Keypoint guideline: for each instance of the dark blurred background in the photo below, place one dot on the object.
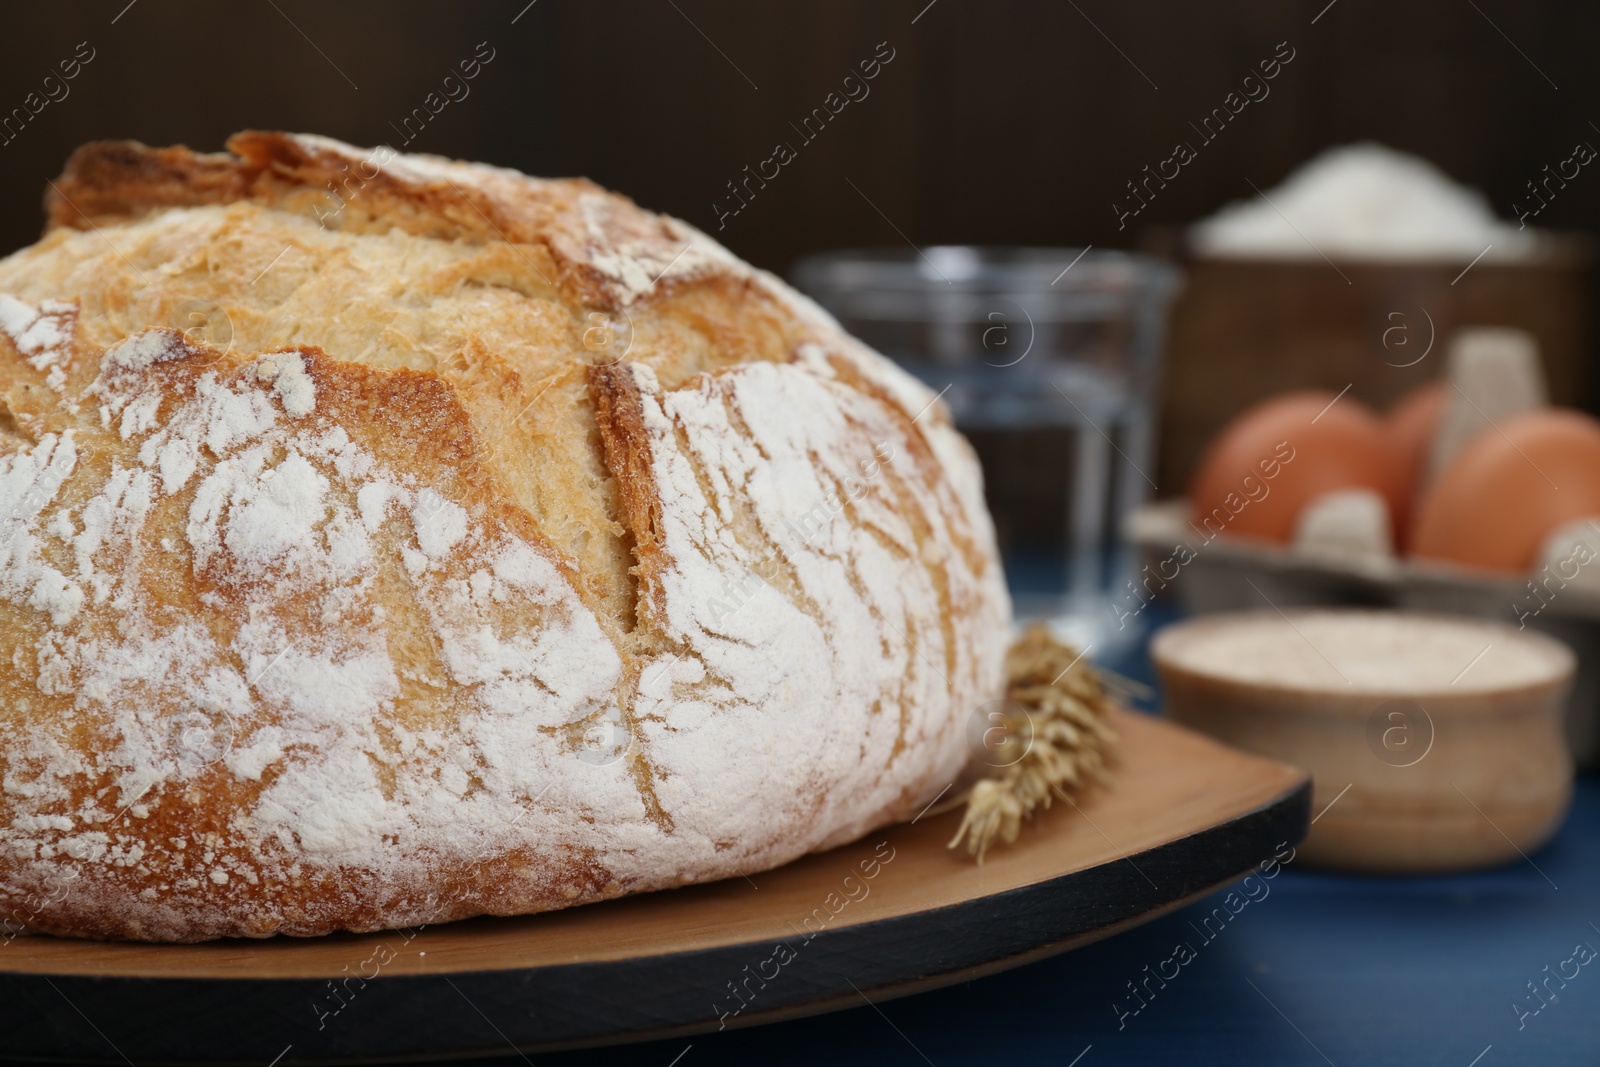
(998, 122)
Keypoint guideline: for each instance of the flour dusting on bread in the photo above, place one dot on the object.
(405, 601)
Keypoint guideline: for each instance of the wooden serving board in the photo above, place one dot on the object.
(892, 914)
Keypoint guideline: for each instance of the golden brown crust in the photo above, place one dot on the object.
(627, 454)
(122, 179)
(106, 181)
(396, 539)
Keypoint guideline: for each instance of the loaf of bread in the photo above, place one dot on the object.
(390, 540)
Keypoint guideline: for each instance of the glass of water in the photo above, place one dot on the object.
(1050, 361)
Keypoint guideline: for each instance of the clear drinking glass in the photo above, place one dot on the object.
(1050, 361)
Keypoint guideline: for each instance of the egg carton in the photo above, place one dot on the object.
(1231, 573)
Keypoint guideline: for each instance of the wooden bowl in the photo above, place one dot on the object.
(1435, 742)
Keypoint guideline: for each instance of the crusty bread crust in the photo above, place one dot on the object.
(394, 540)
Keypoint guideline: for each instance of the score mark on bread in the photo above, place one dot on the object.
(304, 631)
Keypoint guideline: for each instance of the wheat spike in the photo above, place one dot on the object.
(1066, 703)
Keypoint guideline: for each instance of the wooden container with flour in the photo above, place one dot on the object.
(1435, 741)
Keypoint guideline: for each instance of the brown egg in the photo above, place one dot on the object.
(1502, 495)
(1412, 424)
(1280, 455)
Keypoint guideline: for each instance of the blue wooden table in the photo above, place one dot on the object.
(1325, 969)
